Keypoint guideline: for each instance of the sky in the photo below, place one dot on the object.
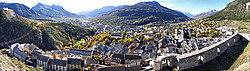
(192, 6)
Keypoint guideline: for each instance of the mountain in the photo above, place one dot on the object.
(46, 35)
(83, 12)
(236, 10)
(186, 13)
(20, 9)
(205, 14)
(141, 13)
(17, 29)
(54, 11)
(101, 11)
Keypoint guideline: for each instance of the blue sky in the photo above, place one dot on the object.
(192, 6)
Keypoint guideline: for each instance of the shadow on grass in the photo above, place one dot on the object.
(224, 61)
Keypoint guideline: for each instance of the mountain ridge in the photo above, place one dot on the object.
(101, 11)
(21, 10)
(54, 11)
(142, 13)
(205, 14)
(236, 10)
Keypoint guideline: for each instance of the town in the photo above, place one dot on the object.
(133, 48)
(125, 35)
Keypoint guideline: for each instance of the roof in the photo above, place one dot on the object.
(19, 52)
(59, 62)
(80, 53)
(80, 50)
(74, 61)
(32, 47)
(50, 62)
(35, 53)
(131, 57)
(14, 46)
(42, 58)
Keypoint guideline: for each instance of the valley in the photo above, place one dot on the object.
(142, 36)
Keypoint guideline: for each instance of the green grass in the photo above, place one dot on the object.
(229, 60)
(243, 57)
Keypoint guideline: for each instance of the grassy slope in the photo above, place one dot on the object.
(244, 26)
(229, 60)
(235, 10)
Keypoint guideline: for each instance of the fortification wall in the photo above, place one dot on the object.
(121, 68)
(188, 62)
(112, 68)
(133, 68)
(206, 54)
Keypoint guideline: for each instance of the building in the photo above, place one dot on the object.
(30, 48)
(75, 64)
(127, 59)
(18, 53)
(58, 65)
(34, 54)
(42, 60)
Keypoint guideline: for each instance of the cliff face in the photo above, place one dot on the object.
(16, 29)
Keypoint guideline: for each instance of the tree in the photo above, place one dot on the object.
(38, 68)
(140, 37)
(124, 34)
(197, 35)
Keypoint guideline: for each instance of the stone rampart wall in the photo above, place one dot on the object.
(121, 68)
(206, 54)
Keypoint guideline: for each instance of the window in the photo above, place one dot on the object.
(200, 59)
(218, 51)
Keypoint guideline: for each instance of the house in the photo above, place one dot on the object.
(30, 48)
(126, 58)
(59, 65)
(75, 64)
(82, 52)
(16, 52)
(20, 54)
(162, 43)
(34, 54)
(42, 60)
(12, 48)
